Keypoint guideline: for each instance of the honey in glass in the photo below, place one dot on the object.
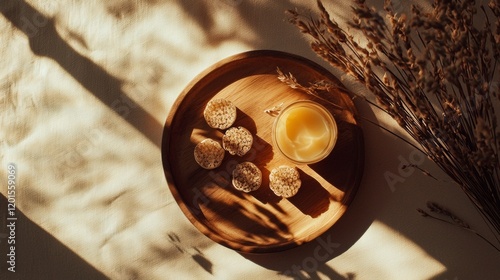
(305, 132)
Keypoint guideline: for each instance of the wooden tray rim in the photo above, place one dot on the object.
(207, 231)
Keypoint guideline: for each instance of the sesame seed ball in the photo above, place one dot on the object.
(220, 113)
(237, 141)
(284, 181)
(247, 177)
(209, 154)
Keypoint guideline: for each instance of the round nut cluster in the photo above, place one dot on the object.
(209, 154)
(284, 181)
(237, 141)
(220, 113)
(246, 177)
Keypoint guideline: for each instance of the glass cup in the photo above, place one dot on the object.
(304, 132)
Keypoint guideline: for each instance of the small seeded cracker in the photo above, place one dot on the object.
(209, 154)
(237, 141)
(247, 177)
(284, 181)
(220, 113)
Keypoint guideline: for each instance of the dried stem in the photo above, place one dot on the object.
(329, 88)
(452, 220)
(435, 73)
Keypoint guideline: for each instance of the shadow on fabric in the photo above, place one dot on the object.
(38, 255)
(44, 40)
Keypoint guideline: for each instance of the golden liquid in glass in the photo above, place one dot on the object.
(305, 132)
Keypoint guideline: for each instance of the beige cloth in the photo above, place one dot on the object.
(85, 88)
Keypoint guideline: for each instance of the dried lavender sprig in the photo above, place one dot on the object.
(312, 89)
(292, 82)
(455, 220)
(451, 73)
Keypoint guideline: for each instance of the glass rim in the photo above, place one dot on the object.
(325, 113)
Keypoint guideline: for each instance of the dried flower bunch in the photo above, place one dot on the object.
(436, 73)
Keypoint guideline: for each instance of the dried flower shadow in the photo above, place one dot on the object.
(441, 94)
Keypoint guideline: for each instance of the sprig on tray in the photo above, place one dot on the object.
(436, 74)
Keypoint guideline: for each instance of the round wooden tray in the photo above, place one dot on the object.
(259, 221)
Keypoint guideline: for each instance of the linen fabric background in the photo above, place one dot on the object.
(85, 88)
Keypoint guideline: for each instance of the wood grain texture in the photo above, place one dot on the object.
(259, 221)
